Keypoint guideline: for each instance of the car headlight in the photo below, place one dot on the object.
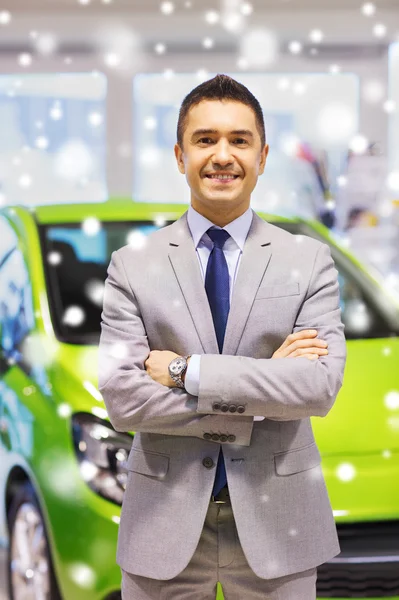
(102, 453)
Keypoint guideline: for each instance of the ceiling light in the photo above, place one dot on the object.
(379, 30)
(368, 9)
(295, 47)
(316, 36)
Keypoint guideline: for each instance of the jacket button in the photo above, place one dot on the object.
(231, 438)
(224, 407)
(223, 438)
(208, 462)
(240, 409)
(207, 436)
(232, 408)
(215, 437)
(216, 406)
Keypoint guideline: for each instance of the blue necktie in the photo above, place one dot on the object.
(217, 289)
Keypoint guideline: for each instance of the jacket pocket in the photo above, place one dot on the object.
(148, 463)
(299, 459)
(274, 291)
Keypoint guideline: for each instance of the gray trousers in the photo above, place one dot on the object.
(219, 557)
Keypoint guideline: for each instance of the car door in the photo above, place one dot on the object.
(16, 389)
(364, 418)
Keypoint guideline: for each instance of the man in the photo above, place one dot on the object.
(224, 476)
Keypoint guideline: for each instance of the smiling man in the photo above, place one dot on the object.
(224, 475)
(221, 189)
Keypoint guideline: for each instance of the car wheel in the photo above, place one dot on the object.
(30, 570)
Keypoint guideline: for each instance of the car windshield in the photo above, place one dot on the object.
(76, 258)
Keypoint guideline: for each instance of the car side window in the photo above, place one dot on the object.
(361, 318)
(364, 310)
(16, 307)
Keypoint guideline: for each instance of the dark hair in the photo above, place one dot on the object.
(220, 87)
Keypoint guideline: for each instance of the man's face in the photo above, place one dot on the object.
(221, 138)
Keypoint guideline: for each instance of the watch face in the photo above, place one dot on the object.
(177, 366)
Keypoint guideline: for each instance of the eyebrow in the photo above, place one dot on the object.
(235, 132)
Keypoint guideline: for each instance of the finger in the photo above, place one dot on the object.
(306, 343)
(311, 356)
(304, 351)
(303, 346)
(296, 340)
(293, 347)
(303, 334)
(281, 353)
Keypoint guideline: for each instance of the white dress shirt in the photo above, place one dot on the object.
(232, 249)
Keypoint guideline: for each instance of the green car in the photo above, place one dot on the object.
(63, 467)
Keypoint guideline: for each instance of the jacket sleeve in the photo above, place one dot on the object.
(134, 401)
(286, 388)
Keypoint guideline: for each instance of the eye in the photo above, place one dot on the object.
(240, 140)
(205, 139)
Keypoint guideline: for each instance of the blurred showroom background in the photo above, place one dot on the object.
(90, 91)
(89, 98)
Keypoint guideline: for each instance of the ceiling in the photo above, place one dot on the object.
(152, 6)
(77, 25)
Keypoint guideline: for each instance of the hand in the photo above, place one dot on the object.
(157, 364)
(303, 343)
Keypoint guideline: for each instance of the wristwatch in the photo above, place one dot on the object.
(177, 367)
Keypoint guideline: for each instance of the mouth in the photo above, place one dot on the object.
(222, 179)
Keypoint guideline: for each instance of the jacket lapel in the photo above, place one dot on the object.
(254, 261)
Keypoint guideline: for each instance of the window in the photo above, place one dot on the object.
(359, 316)
(310, 119)
(365, 310)
(52, 146)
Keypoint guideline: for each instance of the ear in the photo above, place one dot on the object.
(179, 158)
(263, 158)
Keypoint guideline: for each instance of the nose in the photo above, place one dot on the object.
(222, 153)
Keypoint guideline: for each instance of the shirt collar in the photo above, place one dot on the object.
(238, 229)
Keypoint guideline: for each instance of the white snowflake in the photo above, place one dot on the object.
(346, 471)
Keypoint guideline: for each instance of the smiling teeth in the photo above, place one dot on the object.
(221, 176)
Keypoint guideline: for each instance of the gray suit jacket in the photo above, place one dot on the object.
(155, 299)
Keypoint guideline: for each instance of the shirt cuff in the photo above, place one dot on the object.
(191, 379)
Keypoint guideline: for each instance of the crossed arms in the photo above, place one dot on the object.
(276, 388)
